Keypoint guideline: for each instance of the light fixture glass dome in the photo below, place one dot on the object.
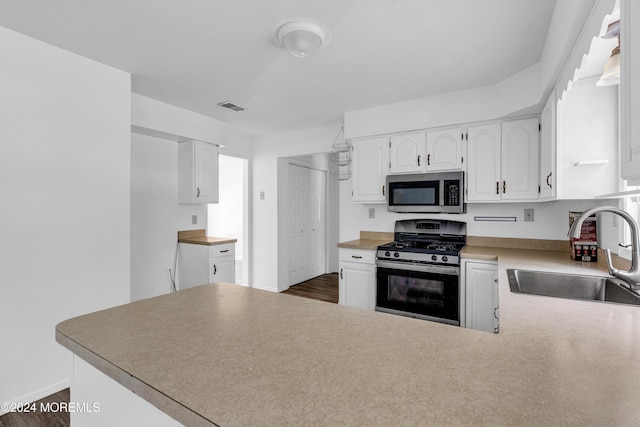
(301, 37)
(611, 74)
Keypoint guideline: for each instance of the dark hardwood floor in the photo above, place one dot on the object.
(35, 417)
(324, 288)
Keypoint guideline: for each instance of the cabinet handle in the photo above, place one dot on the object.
(418, 159)
(549, 176)
(383, 190)
(497, 187)
(197, 191)
(215, 269)
(428, 159)
(356, 256)
(224, 251)
(341, 274)
(504, 186)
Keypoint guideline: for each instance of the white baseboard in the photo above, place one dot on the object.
(263, 288)
(39, 394)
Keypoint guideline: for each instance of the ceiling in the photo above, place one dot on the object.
(197, 53)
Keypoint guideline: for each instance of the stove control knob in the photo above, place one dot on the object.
(434, 258)
(445, 258)
(387, 253)
(396, 254)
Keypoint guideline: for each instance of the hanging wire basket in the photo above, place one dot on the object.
(341, 158)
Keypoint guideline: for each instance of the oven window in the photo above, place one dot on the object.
(425, 293)
(415, 290)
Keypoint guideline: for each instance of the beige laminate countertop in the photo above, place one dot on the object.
(231, 355)
(199, 237)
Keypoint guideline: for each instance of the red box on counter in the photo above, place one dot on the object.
(584, 248)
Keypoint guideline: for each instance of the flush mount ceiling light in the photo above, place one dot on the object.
(302, 37)
(611, 74)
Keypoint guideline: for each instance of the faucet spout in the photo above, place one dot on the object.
(632, 277)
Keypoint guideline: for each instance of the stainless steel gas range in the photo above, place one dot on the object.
(418, 274)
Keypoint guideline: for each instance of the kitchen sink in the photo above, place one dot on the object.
(591, 288)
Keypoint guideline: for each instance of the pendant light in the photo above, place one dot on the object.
(301, 37)
(611, 74)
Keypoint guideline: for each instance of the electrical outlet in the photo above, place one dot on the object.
(262, 195)
(372, 213)
(528, 215)
(194, 219)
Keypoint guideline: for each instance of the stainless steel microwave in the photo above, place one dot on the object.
(431, 192)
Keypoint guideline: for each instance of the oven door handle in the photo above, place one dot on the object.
(424, 268)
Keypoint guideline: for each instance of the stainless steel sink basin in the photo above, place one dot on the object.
(592, 288)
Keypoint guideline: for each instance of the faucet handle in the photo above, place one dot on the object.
(612, 271)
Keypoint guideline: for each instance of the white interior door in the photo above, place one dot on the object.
(307, 217)
(317, 195)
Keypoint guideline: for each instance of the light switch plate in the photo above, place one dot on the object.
(372, 213)
(194, 219)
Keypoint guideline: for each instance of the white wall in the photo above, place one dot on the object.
(156, 216)
(64, 209)
(266, 155)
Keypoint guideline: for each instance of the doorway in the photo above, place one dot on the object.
(230, 216)
(308, 216)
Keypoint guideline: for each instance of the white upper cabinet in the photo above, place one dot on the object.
(444, 150)
(197, 172)
(548, 150)
(630, 88)
(407, 153)
(370, 166)
(520, 150)
(483, 166)
(503, 161)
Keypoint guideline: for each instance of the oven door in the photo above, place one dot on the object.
(427, 292)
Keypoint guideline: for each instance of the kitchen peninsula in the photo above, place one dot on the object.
(227, 355)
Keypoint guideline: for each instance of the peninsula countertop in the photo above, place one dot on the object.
(239, 356)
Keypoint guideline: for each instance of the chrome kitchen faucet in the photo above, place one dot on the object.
(632, 277)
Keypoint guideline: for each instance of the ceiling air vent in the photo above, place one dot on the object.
(231, 106)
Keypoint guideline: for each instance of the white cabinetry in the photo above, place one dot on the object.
(407, 153)
(197, 172)
(503, 161)
(520, 151)
(357, 282)
(483, 166)
(630, 88)
(201, 264)
(548, 149)
(444, 149)
(370, 165)
(481, 295)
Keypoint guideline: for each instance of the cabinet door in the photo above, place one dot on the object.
(481, 296)
(223, 270)
(548, 149)
(520, 151)
(444, 150)
(370, 167)
(206, 172)
(630, 88)
(357, 285)
(483, 166)
(197, 172)
(407, 153)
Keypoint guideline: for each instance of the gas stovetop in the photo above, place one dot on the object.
(425, 241)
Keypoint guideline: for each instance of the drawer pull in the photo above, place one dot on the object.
(356, 256)
(223, 251)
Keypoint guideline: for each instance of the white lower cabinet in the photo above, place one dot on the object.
(357, 284)
(481, 295)
(202, 264)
